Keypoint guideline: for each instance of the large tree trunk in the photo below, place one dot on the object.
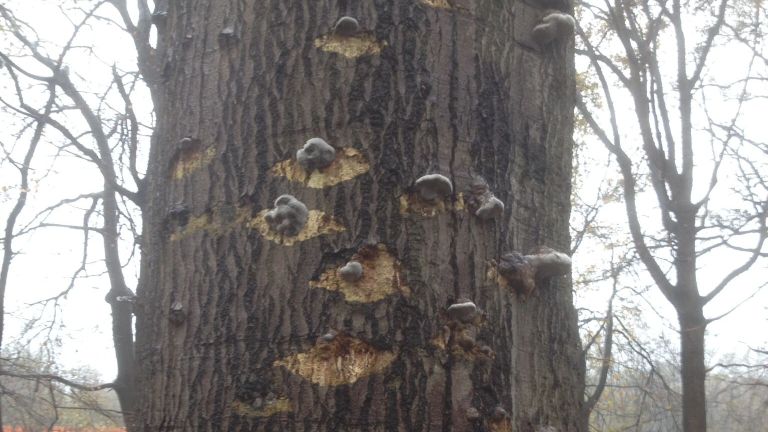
(231, 317)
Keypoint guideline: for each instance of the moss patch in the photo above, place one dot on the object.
(381, 277)
(349, 164)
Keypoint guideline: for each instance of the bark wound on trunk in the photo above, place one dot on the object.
(271, 337)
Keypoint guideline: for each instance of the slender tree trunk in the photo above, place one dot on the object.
(690, 313)
(693, 371)
(241, 330)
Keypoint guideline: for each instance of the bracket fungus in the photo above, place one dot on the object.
(177, 314)
(482, 201)
(523, 270)
(315, 155)
(553, 26)
(492, 208)
(549, 263)
(346, 26)
(351, 272)
(328, 337)
(434, 187)
(288, 217)
(463, 310)
(228, 32)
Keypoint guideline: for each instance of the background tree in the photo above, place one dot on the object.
(703, 162)
(83, 121)
(39, 395)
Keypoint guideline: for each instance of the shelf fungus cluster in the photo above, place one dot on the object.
(315, 155)
(459, 335)
(522, 271)
(288, 217)
(555, 25)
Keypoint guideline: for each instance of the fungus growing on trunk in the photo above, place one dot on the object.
(288, 217)
(315, 155)
(482, 201)
(434, 187)
(351, 272)
(463, 310)
(346, 26)
(556, 25)
(521, 271)
(176, 314)
(492, 208)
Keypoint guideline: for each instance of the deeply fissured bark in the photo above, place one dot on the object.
(455, 90)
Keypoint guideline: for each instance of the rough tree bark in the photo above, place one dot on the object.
(239, 329)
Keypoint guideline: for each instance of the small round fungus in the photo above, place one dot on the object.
(330, 336)
(177, 314)
(434, 187)
(346, 26)
(228, 31)
(351, 272)
(316, 154)
(288, 217)
(463, 310)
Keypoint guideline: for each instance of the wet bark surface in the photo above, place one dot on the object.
(231, 318)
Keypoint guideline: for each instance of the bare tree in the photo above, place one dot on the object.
(659, 59)
(92, 125)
